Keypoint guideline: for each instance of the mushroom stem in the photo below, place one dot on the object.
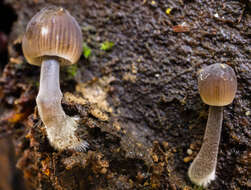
(60, 127)
(202, 169)
(49, 95)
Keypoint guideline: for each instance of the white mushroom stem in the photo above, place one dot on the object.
(50, 96)
(202, 169)
(60, 127)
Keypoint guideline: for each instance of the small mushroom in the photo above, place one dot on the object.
(52, 39)
(217, 86)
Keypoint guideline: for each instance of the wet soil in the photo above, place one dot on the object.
(138, 102)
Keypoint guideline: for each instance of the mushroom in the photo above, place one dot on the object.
(52, 39)
(217, 86)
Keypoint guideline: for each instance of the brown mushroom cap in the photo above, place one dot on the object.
(217, 84)
(52, 32)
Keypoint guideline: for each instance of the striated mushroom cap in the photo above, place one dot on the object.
(52, 32)
(217, 84)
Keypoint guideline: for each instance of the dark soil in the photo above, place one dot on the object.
(138, 102)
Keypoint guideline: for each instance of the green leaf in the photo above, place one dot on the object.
(106, 46)
(86, 51)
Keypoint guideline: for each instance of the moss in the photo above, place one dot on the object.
(86, 51)
(72, 70)
(106, 46)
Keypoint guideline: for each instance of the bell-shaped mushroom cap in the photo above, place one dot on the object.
(52, 32)
(217, 84)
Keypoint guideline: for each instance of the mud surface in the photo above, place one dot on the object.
(138, 102)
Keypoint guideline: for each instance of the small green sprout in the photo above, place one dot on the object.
(106, 46)
(86, 51)
(72, 70)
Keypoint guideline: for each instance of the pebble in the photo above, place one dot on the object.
(189, 151)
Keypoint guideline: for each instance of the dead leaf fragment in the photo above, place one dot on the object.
(181, 28)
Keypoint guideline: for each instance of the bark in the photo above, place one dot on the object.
(138, 101)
